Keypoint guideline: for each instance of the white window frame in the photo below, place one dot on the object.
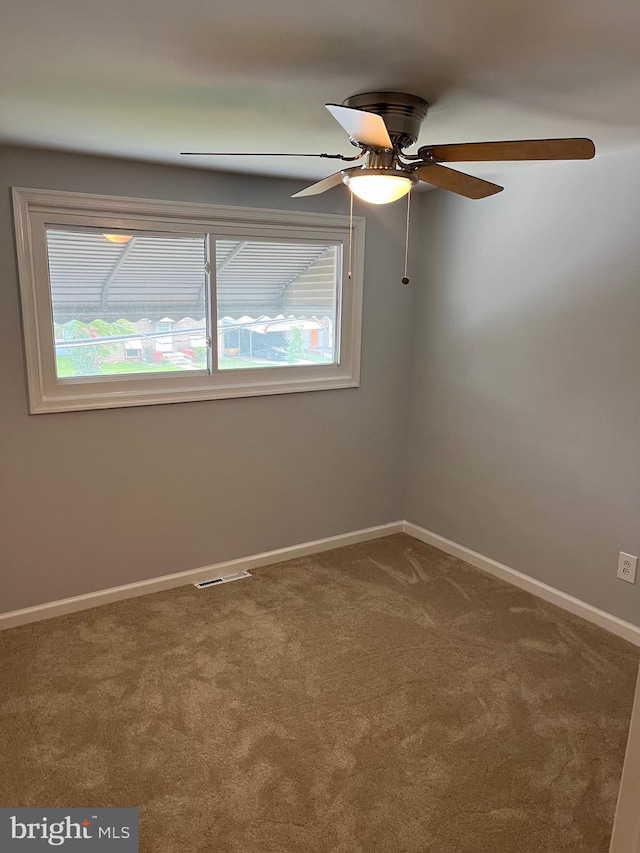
(34, 210)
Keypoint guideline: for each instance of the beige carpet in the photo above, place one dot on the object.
(380, 697)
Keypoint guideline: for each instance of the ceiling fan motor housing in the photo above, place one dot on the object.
(402, 114)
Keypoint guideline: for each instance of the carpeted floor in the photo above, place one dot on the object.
(379, 697)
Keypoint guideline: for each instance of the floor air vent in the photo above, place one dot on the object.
(224, 579)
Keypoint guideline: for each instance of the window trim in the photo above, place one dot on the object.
(34, 208)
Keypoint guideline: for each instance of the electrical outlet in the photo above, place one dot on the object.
(627, 565)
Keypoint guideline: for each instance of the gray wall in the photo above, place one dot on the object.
(91, 500)
(525, 423)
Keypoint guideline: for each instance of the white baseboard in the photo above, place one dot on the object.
(131, 590)
(95, 599)
(567, 602)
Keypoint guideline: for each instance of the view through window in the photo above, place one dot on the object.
(276, 303)
(139, 303)
(110, 300)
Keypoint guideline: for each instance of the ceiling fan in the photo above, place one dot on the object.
(383, 124)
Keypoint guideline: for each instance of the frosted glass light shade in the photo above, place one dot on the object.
(382, 188)
(118, 238)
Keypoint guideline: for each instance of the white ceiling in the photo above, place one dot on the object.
(149, 78)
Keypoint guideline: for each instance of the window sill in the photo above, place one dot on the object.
(99, 398)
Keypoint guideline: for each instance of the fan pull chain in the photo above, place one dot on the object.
(405, 279)
(350, 235)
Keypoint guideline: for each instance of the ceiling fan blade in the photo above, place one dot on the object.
(363, 127)
(457, 182)
(321, 186)
(523, 149)
(262, 154)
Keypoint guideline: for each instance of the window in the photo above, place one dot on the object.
(135, 302)
(132, 349)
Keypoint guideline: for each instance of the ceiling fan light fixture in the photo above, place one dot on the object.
(118, 238)
(379, 186)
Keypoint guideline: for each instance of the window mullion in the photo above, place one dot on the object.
(212, 306)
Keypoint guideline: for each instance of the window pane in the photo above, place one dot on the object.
(276, 303)
(126, 303)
